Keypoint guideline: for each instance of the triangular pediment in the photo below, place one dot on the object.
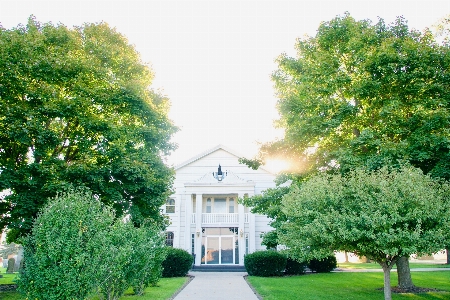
(231, 153)
(228, 178)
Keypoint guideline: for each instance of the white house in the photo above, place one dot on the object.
(206, 218)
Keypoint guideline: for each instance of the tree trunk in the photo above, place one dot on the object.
(346, 256)
(387, 282)
(448, 255)
(404, 273)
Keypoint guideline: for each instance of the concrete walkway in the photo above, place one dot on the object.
(217, 285)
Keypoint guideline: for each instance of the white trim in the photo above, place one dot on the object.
(212, 150)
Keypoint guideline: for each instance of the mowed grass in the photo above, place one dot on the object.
(412, 265)
(352, 286)
(165, 289)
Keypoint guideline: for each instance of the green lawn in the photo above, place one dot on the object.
(412, 265)
(165, 289)
(354, 286)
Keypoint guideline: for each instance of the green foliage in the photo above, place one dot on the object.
(177, 263)
(323, 265)
(294, 267)
(61, 255)
(76, 110)
(251, 163)
(268, 203)
(78, 247)
(383, 215)
(270, 240)
(363, 94)
(265, 263)
(148, 254)
(380, 214)
(115, 251)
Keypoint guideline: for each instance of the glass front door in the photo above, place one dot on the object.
(219, 246)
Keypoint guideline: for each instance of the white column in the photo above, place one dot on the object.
(241, 239)
(187, 221)
(198, 228)
(251, 229)
(252, 233)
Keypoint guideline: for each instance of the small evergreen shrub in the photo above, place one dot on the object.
(323, 265)
(294, 267)
(265, 263)
(177, 263)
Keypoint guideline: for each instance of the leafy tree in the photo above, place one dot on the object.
(382, 215)
(76, 110)
(362, 94)
(366, 95)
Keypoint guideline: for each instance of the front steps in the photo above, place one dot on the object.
(218, 268)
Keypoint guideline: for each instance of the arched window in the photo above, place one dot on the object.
(169, 238)
(170, 206)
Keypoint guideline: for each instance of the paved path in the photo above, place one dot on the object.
(217, 285)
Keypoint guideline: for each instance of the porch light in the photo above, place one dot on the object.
(241, 233)
(198, 232)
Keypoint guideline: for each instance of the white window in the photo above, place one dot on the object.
(231, 206)
(169, 238)
(170, 206)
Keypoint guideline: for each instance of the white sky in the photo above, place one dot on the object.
(213, 58)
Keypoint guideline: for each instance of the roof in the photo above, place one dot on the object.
(208, 152)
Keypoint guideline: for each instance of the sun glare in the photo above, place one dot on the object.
(276, 165)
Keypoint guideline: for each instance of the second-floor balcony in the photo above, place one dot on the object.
(219, 218)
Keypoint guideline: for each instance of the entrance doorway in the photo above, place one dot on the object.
(220, 246)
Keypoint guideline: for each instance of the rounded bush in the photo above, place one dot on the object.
(323, 265)
(265, 263)
(178, 262)
(294, 267)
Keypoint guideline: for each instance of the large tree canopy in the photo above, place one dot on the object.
(383, 215)
(76, 109)
(366, 94)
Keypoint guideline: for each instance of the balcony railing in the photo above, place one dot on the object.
(220, 218)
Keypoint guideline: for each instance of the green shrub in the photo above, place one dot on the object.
(78, 247)
(59, 255)
(265, 263)
(177, 263)
(323, 265)
(294, 267)
(149, 253)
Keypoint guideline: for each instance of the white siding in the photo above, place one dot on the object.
(195, 177)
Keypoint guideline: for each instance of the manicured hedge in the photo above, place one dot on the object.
(324, 265)
(177, 263)
(265, 263)
(294, 267)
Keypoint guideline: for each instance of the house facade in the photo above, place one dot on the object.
(205, 216)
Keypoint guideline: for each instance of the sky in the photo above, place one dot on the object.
(214, 59)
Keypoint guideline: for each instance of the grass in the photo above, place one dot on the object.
(354, 286)
(165, 289)
(412, 265)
